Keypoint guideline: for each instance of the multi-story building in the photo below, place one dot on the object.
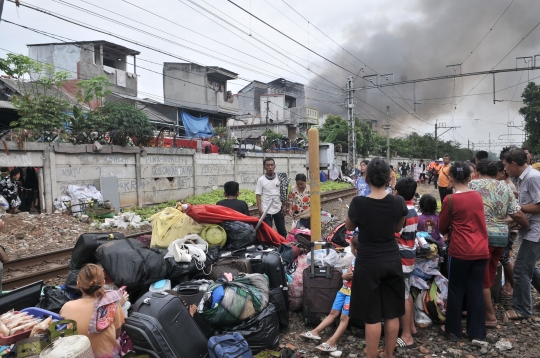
(200, 91)
(88, 59)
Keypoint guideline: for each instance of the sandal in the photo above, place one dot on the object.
(401, 344)
(492, 324)
(450, 336)
(309, 335)
(514, 316)
(325, 347)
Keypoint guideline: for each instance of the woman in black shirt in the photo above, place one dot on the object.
(378, 283)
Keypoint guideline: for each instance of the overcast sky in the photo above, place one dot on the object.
(411, 39)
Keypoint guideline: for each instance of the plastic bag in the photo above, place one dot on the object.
(239, 235)
(53, 299)
(345, 261)
(421, 319)
(261, 331)
(322, 259)
(4, 205)
(171, 224)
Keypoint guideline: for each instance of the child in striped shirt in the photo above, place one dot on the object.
(406, 188)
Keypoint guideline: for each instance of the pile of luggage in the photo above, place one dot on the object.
(201, 285)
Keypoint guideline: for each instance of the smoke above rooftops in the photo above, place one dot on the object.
(433, 35)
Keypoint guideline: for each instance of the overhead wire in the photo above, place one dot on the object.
(491, 28)
(128, 40)
(245, 33)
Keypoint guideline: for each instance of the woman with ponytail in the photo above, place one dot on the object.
(98, 313)
(462, 218)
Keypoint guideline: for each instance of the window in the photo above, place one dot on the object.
(108, 62)
(97, 55)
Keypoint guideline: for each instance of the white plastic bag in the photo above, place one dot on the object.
(421, 319)
(294, 224)
(345, 261)
(4, 205)
(322, 259)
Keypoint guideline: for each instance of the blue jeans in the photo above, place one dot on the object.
(466, 276)
(525, 273)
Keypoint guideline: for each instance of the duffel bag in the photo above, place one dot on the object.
(229, 345)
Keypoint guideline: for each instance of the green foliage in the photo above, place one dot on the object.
(336, 130)
(270, 137)
(43, 108)
(225, 146)
(94, 89)
(334, 185)
(531, 112)
(216, 195)
(148, 211)
(121, 122)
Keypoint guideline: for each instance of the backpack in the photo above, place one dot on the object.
(229, 345)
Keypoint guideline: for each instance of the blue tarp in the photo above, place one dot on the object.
(196, 127)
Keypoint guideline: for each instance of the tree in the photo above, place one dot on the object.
(531, 112)
(225, 146)
(42, 106)
(336, 130)
(123, 123)
(93, 90)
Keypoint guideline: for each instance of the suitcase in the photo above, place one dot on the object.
(192, 292)
(269, 262)
(321, 285)
(86, 245)
(162, 327)
(231, 264)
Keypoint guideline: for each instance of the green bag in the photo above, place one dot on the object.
(55, 333)
(30, 347)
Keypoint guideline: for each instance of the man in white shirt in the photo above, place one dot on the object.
(267, 192)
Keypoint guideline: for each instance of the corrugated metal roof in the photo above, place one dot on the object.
(7, 105)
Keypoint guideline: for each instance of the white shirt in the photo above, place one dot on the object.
(268, 190)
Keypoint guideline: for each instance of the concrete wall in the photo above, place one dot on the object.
(186, 84)
(149, 176)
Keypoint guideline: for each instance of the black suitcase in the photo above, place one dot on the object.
(269, 262)
(86, 245)
(192, 292)
(321, 285)
(162, 327)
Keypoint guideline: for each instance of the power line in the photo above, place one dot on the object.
(247, 34)
(128, 40)
(462, 62)
(290, 38)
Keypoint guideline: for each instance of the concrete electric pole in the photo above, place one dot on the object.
(351, 155)
(386, 127)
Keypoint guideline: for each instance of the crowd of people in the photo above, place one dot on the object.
(486, 205)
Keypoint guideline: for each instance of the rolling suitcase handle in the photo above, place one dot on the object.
(312, 268)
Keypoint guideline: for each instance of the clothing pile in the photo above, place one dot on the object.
(429, 286)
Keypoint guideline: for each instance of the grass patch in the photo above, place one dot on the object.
(216, 195)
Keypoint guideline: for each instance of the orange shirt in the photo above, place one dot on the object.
(437, 167)
(444, 176)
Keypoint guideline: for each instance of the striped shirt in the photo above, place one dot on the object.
(407, 240)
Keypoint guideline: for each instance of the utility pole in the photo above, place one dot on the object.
(387, 128)
(1, 9)
(267, 110)
(437, 126)
(351, 155)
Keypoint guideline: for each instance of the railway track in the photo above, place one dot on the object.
(50, 265)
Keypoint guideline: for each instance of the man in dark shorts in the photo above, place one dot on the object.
(232, 190)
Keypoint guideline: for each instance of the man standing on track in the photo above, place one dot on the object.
(445, 187)
(267, 192)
